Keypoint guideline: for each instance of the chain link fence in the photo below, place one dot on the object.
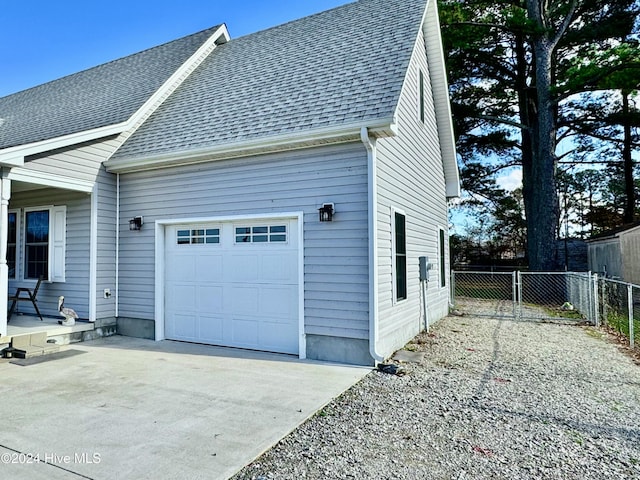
(526, 295)
(484, 293)
(619, 307)
(566, 296)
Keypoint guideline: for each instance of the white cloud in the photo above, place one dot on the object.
(511, 180)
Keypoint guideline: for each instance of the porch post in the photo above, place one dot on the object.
(5, 194)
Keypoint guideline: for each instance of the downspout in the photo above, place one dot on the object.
(93, 256)
(372, 172)
(117, 287)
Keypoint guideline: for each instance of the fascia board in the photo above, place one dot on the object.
(297, 140)
(9, 154)
(430, 26)
(438, 73)
(50, 180)
(221, 35)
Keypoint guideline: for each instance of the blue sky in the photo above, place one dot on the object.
(44, 40)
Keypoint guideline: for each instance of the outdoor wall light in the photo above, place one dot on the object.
(326, 212)
(136, 223)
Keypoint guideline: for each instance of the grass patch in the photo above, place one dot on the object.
(592, 332)
(576, 438)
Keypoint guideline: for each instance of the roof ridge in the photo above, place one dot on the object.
(295, 20)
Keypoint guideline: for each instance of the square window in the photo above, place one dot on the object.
(198, 236)
(261, 234)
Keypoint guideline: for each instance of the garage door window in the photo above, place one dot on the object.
(262, 234)
(198, 236)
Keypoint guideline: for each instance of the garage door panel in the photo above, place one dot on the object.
(245, 300)
(283, 267)
(243, 268)
(210, 298)
(279, 301)
(211, 328)
(278, 337)
(185, 326)
(209, 268)
(244, 332)
(183, 297)
(181, 268)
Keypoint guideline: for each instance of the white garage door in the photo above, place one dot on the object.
(233, 284)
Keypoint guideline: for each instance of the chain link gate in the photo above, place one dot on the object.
(570, 296)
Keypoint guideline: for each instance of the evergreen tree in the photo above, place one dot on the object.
(510, 64)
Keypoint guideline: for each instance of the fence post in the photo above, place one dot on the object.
(605, 313)
(453, 288)
(514, 293)
(630, 305)
(596, 310)
(519, 289)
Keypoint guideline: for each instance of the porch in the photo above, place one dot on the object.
(63, 335)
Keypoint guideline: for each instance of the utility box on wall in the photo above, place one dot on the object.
(424, 268)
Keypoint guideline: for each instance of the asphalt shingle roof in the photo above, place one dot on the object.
(104, 95)
(337, 67)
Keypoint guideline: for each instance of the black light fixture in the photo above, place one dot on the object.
(136, 223)
(326, 212)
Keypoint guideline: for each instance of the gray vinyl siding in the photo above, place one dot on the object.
(106, 252)
(630, 252)
(76, 287)
(81, 162)
(335, 254)
(411, 180)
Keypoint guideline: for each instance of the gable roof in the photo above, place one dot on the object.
(326, 78)
(340, 67)
(100, 96)
(615, 232)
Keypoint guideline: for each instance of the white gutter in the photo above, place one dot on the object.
(288, 141)
(15, 155)
(372, 172)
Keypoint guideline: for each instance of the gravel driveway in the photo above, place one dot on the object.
(490, 399)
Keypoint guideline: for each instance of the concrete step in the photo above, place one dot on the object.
(56, 334)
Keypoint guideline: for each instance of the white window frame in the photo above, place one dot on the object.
(395, 299)
(18, 243)
(191, 228)
(268, 234)
(57, 243)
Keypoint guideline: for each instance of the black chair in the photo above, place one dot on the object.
(31, 297)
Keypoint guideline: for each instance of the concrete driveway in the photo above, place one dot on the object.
(127, 408)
